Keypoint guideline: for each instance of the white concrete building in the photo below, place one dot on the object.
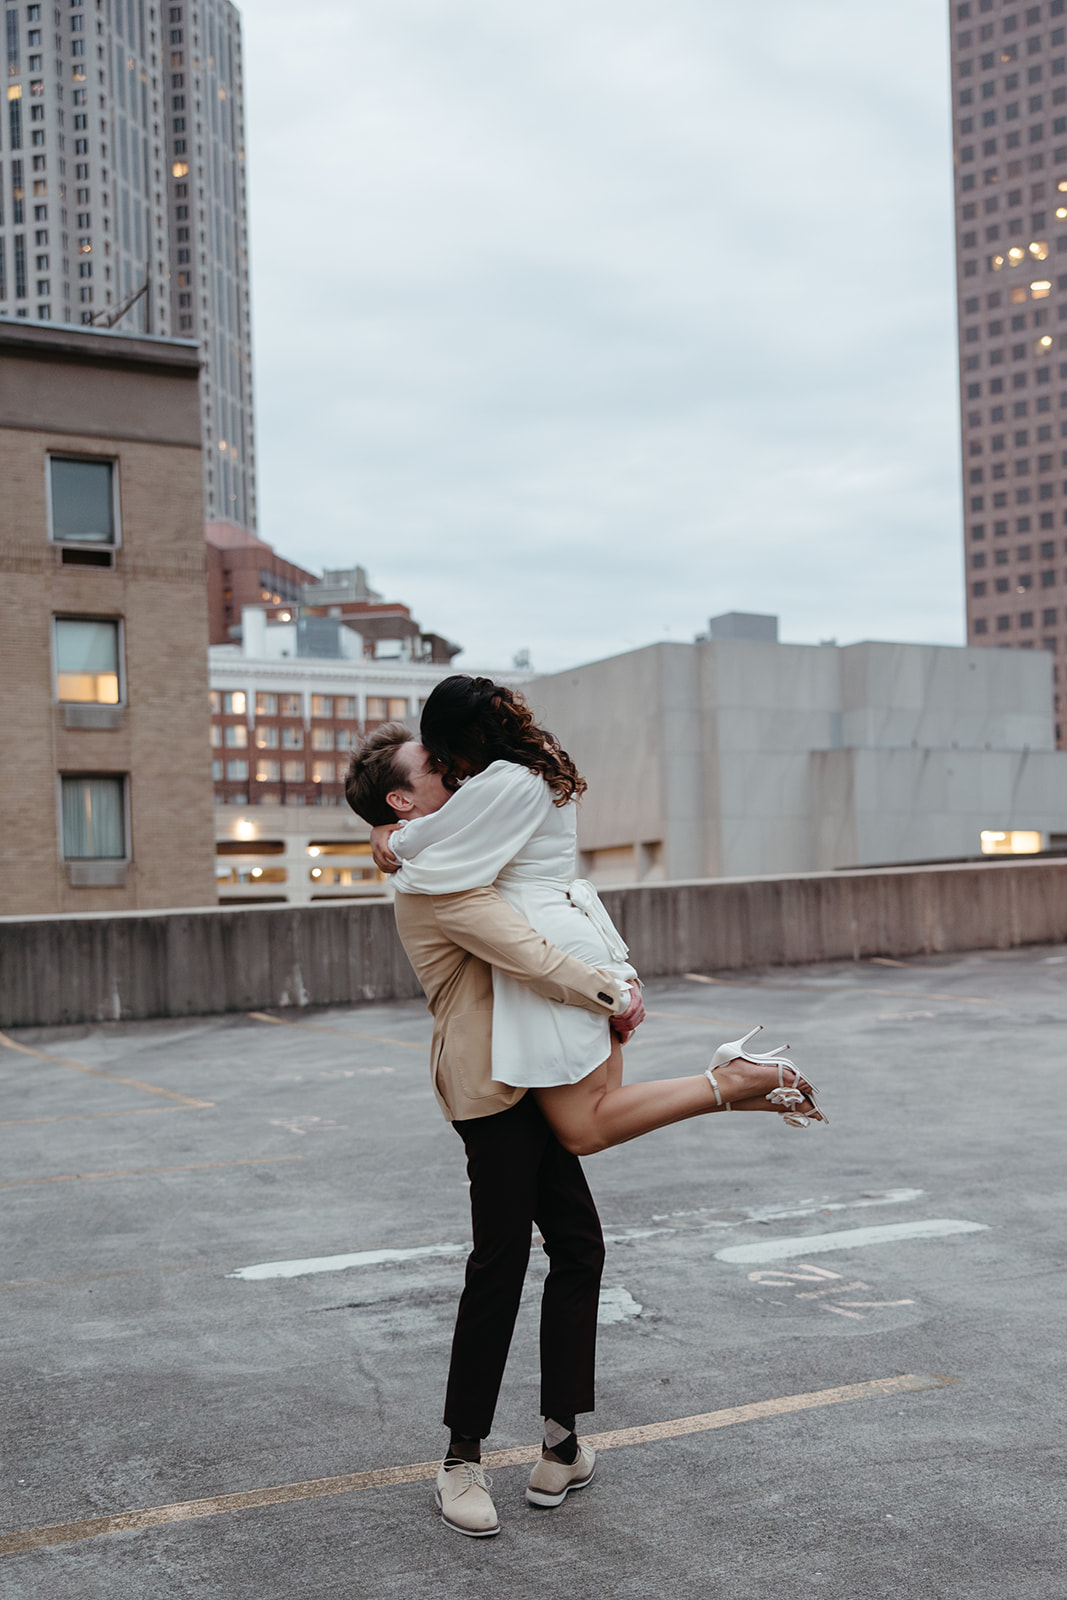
(732, 757)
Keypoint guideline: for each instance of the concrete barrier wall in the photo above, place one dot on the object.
(87, 968)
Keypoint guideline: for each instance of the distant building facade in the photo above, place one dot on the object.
(1009, 90)
(122, 169)
(734, 757)
(289, 702)
(103, 670)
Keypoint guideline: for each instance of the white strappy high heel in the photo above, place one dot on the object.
(787, 1095)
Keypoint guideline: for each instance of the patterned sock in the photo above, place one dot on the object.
(561, 1439)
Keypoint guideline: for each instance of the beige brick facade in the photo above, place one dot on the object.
(132, 401)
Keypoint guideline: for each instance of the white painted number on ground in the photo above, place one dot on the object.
(831, 1291)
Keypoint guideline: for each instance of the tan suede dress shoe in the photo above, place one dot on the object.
(463, 1499)
(551, 1481)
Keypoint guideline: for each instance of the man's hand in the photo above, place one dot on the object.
(384, 858)
(625, 1025)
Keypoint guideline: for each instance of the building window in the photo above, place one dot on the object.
(235, 702)
(82, 501)
(266, 705)
(1003, 624)
(237, 736)
(396, 709)
(322, 738)
(94, 821)
(290, 705)
(267, 771)
(87, 661)
(216, 771)
(322, 772)
(216, 735)
(237, 771)
(293, 771)
(266, 738)
(292, 738)
(346, 706)
(981, 626)
(347, 738)
(322, 706)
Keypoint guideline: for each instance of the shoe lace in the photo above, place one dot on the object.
(470, 1474)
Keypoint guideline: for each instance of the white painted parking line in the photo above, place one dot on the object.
(847, 1239)
(358, 1258)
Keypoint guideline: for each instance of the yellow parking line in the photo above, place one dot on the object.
(842, 988)
(422, 1471)
(141, 1172)
(344, 1033)
(97, 1116)
(97, 1072)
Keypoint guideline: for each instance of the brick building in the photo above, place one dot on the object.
(245, 571)
(1009, 86)
(105, 798)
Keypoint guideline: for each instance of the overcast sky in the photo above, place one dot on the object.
(578, 323)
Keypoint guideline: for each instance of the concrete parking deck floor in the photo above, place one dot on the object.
(149, 1166)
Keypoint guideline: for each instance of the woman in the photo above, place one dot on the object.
(512, 822)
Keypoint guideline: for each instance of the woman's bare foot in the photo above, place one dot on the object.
(745, 1085)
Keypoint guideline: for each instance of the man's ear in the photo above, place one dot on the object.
(401, 802)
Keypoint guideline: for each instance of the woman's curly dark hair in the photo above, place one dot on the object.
(467, 723)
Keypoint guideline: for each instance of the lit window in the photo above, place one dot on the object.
(1038, 249)
(215, 701)
(322, 706)
(290, 705)
(94, 822)
(82, 501)
(237, 736)
(87, 661)
(267, 771)
(235, 703)
(266, 738)
(1043, 345)
(1017, 842)
(1042, 288)
(266, 705)
(322, 772)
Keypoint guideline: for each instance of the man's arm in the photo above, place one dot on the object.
(481, 922)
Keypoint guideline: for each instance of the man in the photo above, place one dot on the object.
(520, 1174)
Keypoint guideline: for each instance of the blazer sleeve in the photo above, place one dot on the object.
(481, 922)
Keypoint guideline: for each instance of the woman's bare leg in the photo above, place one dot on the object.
(602, 1111)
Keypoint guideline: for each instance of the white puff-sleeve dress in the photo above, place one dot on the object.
(502, 828)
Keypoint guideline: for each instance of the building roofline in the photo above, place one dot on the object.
(83, 346)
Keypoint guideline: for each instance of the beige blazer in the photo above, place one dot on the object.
(452, 941)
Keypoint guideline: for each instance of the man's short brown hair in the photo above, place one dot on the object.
(374, 771)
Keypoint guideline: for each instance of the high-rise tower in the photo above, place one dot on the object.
(122, 180)
(1009, 88)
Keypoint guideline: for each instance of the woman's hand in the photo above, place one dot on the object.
(384, 858)
(626, 1024)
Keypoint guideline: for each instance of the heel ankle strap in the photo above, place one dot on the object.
(719, 1101)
